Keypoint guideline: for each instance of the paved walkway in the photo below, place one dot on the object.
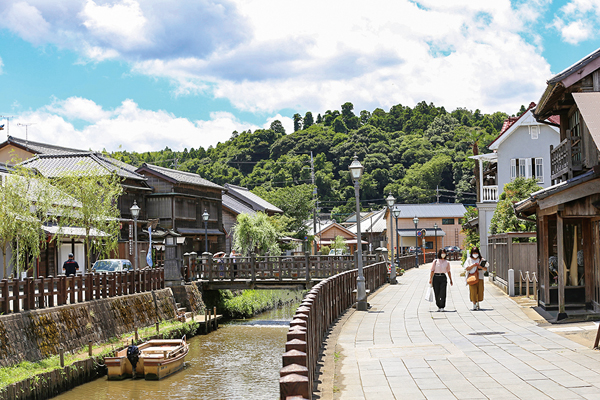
(402, 348)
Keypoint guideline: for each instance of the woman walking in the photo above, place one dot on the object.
(437, 279)
(474, 265)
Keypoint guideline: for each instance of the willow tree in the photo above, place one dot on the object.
(27, 201)
(97, 214)
(255, 234)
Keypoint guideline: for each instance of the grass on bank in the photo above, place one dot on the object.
(27, 369)
(249, 303)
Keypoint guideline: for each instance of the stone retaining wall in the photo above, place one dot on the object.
(34, 335)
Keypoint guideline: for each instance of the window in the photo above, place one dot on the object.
(522, 167)
(447, 221)
(513, 169)
(539, 170)
(534, 131)
(429, 245)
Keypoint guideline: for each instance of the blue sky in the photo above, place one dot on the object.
(145, 74)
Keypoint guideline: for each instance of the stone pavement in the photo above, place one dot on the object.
(402, 348)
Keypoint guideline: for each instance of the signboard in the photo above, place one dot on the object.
(130, 239)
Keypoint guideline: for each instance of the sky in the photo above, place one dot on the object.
(142, 75)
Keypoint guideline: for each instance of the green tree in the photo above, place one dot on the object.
(339, 126)
(255, 234)
(297, 122)
(296, 202)
(308, 120)
(339, 243)
(27, 201)
(471, 233)
(98, 214)
(504, 218)
(277, 127)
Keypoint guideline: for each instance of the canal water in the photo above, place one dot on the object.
(241, 360)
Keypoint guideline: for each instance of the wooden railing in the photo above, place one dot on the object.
(31, 294)
(489, 193)
(321, 306)
(566, 158)
(505, 253)
(256, 268)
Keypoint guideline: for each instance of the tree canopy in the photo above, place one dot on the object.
(504, 218)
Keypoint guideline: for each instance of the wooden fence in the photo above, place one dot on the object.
(325, 302)
(505, 253)
(256, 268)
(30, 293)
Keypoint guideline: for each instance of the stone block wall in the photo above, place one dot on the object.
(34, 335)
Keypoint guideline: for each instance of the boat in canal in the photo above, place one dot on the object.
(152, 360)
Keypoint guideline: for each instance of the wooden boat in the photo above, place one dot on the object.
(157, 358)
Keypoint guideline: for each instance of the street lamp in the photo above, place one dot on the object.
(435, 226)
(356, 170)
(416, 221)
(135, 212)
(205, 219)
(391, 200)
(396, 216)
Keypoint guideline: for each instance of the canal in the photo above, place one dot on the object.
(241, 360)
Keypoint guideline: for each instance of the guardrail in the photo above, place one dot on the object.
(324, 303)
(31, 294)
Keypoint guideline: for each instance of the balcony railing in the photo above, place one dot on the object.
(566, 158)
(489, 193)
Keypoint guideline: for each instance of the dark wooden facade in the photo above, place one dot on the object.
(568, 213)
(178, 203)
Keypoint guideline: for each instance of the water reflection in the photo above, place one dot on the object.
(239, 361)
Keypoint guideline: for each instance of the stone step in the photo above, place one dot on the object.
(181, 310)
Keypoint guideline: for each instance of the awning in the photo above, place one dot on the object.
(428, 232)
(72, 231)
(197, 231)
(589, 107)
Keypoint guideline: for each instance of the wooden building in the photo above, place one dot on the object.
(178, 201)
(568, 212)
(327, 231)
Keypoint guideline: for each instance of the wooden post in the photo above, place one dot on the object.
(61, 353)
(307, 266)
(561, 266)
(157, 328)
(215, 316)
(527, 284)
(137, 337)
(535, 286)
(205, 321)
(253, 267)
(90, 348)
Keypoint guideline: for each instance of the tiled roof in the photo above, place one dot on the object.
(377, 219)
(236, 205)
(245, 195)
(179, 176)
(42, 148)
(87, 162)
(435, 210)
(573, 68)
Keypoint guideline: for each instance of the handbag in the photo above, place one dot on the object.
(473, 278)
(429, 296)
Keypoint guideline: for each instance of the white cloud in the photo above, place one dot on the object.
(578, 20)
(574, 32)
(26, 21)
(269, 55)
(129, 126)
(1, 65)
(287, 122)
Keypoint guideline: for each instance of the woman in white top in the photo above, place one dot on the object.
(437, 279)
(473, 264)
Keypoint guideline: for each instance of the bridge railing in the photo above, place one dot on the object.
(42, 292)
(325, 302)
(253, 267)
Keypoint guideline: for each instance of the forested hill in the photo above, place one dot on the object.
(408, 151)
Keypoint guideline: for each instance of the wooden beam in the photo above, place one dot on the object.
(561, 264)
(547, 211)
(545, 259)
(588, 258)
(573, 193)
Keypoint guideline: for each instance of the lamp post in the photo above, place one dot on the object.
(396, 216)
(416, 221)
(356, 170)
(435, 226)
(205, 219)
(391, 200)
(135, 212)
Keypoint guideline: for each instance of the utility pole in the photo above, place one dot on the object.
(312, 174)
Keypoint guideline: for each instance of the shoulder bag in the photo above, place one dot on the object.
(473, 278)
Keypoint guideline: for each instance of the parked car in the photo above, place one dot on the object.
(338, 252)
(112, 265)
(452, 249)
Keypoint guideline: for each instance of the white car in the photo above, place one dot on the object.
(112, 265)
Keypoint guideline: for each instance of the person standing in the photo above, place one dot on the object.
(475, 264)
(437, 278)
(70, 267)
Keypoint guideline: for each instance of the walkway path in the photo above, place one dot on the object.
(402, 348)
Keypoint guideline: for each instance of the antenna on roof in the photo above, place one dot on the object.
(7, 121)
(26, 125)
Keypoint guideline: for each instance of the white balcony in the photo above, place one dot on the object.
(489, 194)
